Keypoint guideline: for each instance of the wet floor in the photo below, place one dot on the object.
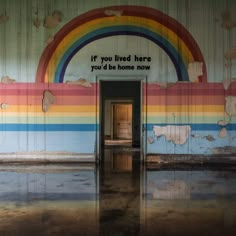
(118, 197)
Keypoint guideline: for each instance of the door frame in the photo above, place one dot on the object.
(143, 111)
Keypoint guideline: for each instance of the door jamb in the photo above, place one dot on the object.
(143, 112)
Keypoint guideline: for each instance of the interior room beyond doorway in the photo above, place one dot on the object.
(118, 128)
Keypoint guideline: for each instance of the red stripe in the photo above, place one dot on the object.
(61, 89)
(190, 89)
(35, 89)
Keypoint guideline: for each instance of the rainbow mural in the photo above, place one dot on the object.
(141, 21)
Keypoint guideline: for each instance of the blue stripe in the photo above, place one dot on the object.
(123, 30)
(94, 127)
(197, 127)
(48, 127)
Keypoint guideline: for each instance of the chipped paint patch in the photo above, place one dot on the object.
(175, 133)
(150, 140)
(81, 82)
(195, 70)
(196, 136)
(222, 133)
(209, 138)
(222, 123)
(228, 82)
(163, 85)
(110, 12)
(48, 100)
(230, 54)
(53, 20)
(226, 20)
(4, 106)
(230, 106)
(7, 80)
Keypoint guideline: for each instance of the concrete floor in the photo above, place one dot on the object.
(118, 197)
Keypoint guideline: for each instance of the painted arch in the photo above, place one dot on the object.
(141, 21)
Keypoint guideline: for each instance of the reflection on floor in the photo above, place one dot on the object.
(48, 200)
(119, 197)
(119, 194)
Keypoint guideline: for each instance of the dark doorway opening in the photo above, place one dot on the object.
(120, 113)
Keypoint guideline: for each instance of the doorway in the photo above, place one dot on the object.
(120, 113)
(118, 123)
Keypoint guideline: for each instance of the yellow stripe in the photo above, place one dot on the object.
(85, 110)
(179, 114)
(54, 108)
(184, 108)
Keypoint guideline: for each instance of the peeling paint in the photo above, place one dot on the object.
(4, 18)
(196, 136)
(195, 70)
(7, 80)
(36, 23)
(222, 123)
(82, 82)
(53, 20)
(176, 134)
(227, 21)
(230, 54)
(223, 133)
(48, 100)
(230, 106)
(111, 12)
(228, 82)
(4, 106)
(150, 140)
(164, 85)
(49, 39)
(209, 138)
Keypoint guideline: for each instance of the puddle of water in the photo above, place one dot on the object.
(192, 202)
(118, 198)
